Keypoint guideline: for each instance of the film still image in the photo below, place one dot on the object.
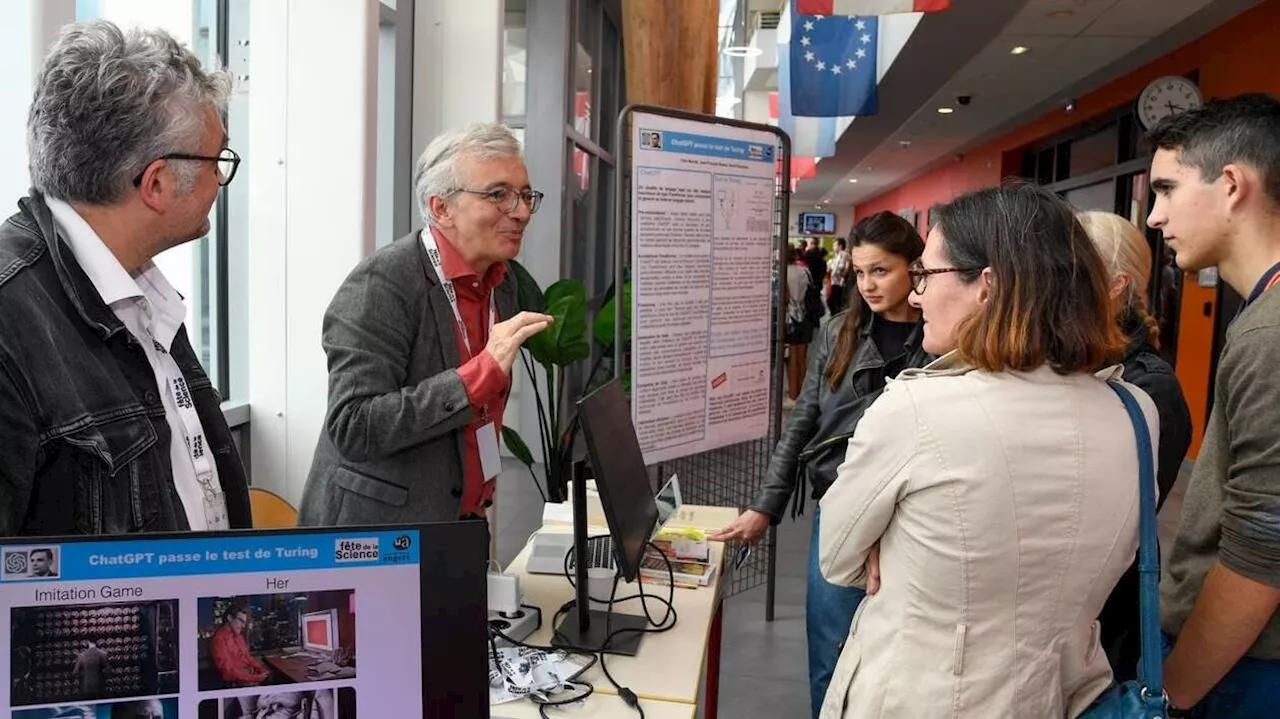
(330, 703)
(93, 651)
(150, 708)
(267, 639)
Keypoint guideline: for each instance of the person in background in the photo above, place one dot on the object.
(799, 328)
(838, 268)
(1216, 175)
(815, 258)
(1127, 256)
(857, 350)
(421, 338)
(91, 669)
(108, 423)
(989, 502)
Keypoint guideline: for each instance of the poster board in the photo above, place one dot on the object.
(702, 256)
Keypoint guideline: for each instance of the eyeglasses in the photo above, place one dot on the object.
(920, 276)
(508, 200)
(228, 162)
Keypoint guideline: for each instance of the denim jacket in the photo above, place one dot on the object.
(84, 444)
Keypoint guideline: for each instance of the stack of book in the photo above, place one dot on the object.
(689, 553)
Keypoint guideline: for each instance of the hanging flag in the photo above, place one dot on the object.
(810, 136)
(832, 66)
(869, 7)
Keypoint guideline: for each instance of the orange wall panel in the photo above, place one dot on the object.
(1240, 56)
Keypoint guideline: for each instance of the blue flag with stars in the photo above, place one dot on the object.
(833, 65)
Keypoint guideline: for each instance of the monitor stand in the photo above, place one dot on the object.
(583, 627)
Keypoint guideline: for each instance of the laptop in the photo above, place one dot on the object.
(548, 553)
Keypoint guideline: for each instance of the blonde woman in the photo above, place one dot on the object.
(1127, 256)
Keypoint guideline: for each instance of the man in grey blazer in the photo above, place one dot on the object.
(421, 339)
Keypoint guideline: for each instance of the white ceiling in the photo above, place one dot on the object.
(1075, 46)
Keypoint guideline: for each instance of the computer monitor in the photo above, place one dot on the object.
(623, 484)
(320, 630)
(324, 613)
(620, 474)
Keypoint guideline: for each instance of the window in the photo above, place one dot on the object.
(199, 269)
(395, 209)
(515, 53)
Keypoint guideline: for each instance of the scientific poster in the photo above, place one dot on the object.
(702, 298)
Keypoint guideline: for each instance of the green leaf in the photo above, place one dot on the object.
(566, 288)
(528, 294)
(565, 341)
(604, 328)
(516, 444)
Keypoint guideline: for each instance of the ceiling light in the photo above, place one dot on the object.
(853, 179)
(826, 202)
(1019, 50)
(945, 111)
(742, 51)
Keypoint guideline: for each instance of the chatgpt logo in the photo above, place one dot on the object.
(15, 562)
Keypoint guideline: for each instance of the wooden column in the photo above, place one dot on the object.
(671, 52)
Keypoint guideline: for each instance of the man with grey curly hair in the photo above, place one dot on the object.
(421, 338)
(108, 423)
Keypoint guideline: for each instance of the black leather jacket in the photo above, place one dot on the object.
(84, 444)
(816, 433)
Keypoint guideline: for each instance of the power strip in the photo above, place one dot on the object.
(519, 625)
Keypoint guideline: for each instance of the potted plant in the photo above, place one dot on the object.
(555, 351)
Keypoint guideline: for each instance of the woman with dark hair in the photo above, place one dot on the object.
(856, 350)
(991, 497)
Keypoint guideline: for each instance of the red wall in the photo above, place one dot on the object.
(1240, 56)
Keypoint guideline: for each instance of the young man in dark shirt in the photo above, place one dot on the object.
(1216, 174)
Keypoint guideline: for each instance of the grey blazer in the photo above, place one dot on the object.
(391, 447)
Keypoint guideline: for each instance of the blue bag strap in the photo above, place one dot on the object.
(1151, 672)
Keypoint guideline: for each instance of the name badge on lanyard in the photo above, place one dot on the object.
(215, 503)
(486, 434)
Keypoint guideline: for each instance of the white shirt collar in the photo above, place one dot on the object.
(163, 310)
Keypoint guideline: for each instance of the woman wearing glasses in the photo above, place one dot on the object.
(1127, 256)
(854, 353)
(998, 485)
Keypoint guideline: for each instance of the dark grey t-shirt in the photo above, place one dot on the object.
(1232, 508)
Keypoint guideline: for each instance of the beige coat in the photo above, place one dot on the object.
(1006, 508)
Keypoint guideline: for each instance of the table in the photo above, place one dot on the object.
(299, 669)
(597, 706)
(669, 666)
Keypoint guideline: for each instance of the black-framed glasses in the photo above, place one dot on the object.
(507, 199)
(920, 276)
(228, 162)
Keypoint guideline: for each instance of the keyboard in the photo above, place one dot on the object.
(599, 554)
(547, 554)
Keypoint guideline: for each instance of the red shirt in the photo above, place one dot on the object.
(230, 654)
(486, 384)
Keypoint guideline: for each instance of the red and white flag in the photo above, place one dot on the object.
(869, 7)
